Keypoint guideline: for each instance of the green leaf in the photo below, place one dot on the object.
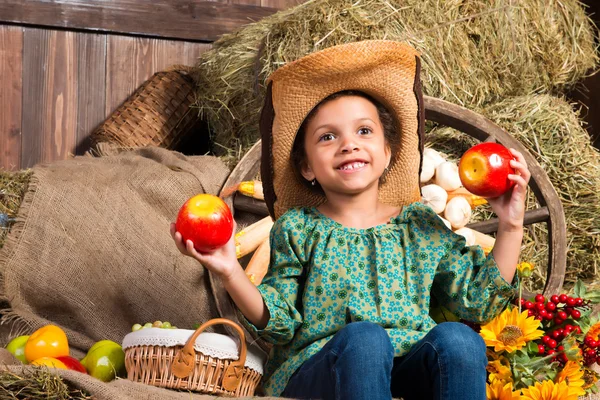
(593, 296)
(579, 289)
(532, 348)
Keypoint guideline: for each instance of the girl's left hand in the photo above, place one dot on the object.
(510, 207)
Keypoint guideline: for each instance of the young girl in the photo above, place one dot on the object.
(355, 258)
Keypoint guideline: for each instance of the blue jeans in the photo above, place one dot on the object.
(358, 363)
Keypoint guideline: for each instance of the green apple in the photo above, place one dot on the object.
(17, 347)
(105, 360)
(101, 343)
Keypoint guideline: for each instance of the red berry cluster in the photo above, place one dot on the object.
(591, 351)
(559, 308)
(553, 313)
(551, 342)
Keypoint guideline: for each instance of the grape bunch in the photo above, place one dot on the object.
(558, 309)
(155, 324)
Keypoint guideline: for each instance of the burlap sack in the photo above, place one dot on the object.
(91, 250)
(120, 389)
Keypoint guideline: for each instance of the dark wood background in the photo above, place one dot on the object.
(588, 92)
(65, 66)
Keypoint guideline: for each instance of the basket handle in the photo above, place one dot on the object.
(184, 361)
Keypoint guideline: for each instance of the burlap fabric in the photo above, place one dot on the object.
(120, 389)
(388, 71)
(91, 250)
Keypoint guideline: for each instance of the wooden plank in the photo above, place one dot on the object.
(91, 97)
(182, 19)
(247, 2)
(50, 93)
(248, 204)
(280, 4)
(131, 61)
(11, 67)
(531, 217)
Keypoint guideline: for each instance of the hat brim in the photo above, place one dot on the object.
(388, 71)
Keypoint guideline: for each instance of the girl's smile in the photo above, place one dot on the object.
(352, 166)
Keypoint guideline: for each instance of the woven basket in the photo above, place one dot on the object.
(157, 114)
(183, 367)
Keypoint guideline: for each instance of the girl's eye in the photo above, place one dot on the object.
(364, 131)
(326, 137)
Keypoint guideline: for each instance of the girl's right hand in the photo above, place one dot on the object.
(222, 261)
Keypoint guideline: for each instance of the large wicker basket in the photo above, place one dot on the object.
(158, 113)
(206, 363)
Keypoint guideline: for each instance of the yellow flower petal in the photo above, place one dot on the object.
(572, 375)
(548, 390)
(498, 390)
(510, 331)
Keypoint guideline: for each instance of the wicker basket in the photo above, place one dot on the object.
(190, 366)
(157, 114)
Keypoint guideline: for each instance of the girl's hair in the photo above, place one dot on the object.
(389, 124)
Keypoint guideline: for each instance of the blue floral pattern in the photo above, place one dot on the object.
(324, 275)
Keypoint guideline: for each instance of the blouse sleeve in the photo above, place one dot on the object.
(467, 282)
(280, 287)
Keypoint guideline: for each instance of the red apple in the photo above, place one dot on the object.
(72, 363)
(205, 220)
(484, 170)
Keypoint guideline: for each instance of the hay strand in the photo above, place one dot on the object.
(37, 383)
(12, 189)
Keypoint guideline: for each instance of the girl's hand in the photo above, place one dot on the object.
(222, 261)
(510, 207)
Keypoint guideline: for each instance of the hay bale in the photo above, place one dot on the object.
(37, 383)
(551, 130)
(12, 189)
(473, 53)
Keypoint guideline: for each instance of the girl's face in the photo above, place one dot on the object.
(345, 146)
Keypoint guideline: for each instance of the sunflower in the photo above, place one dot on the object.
(500, 370)
(548, 390)
(594, 331)
(499, 390)
(510, 330)
(590, 378)
(573, 376)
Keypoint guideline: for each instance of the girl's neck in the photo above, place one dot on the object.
(363, 210)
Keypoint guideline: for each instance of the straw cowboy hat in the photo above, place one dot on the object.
(387, 71)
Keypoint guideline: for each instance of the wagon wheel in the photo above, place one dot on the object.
(469, 122)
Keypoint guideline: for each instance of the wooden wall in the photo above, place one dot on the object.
(60, 78)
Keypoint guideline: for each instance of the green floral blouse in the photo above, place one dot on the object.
(324, 275)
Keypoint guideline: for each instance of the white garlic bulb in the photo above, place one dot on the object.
(434, 197)
(434, 156)
(458, 212)
(427, 169)
(446, 176)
